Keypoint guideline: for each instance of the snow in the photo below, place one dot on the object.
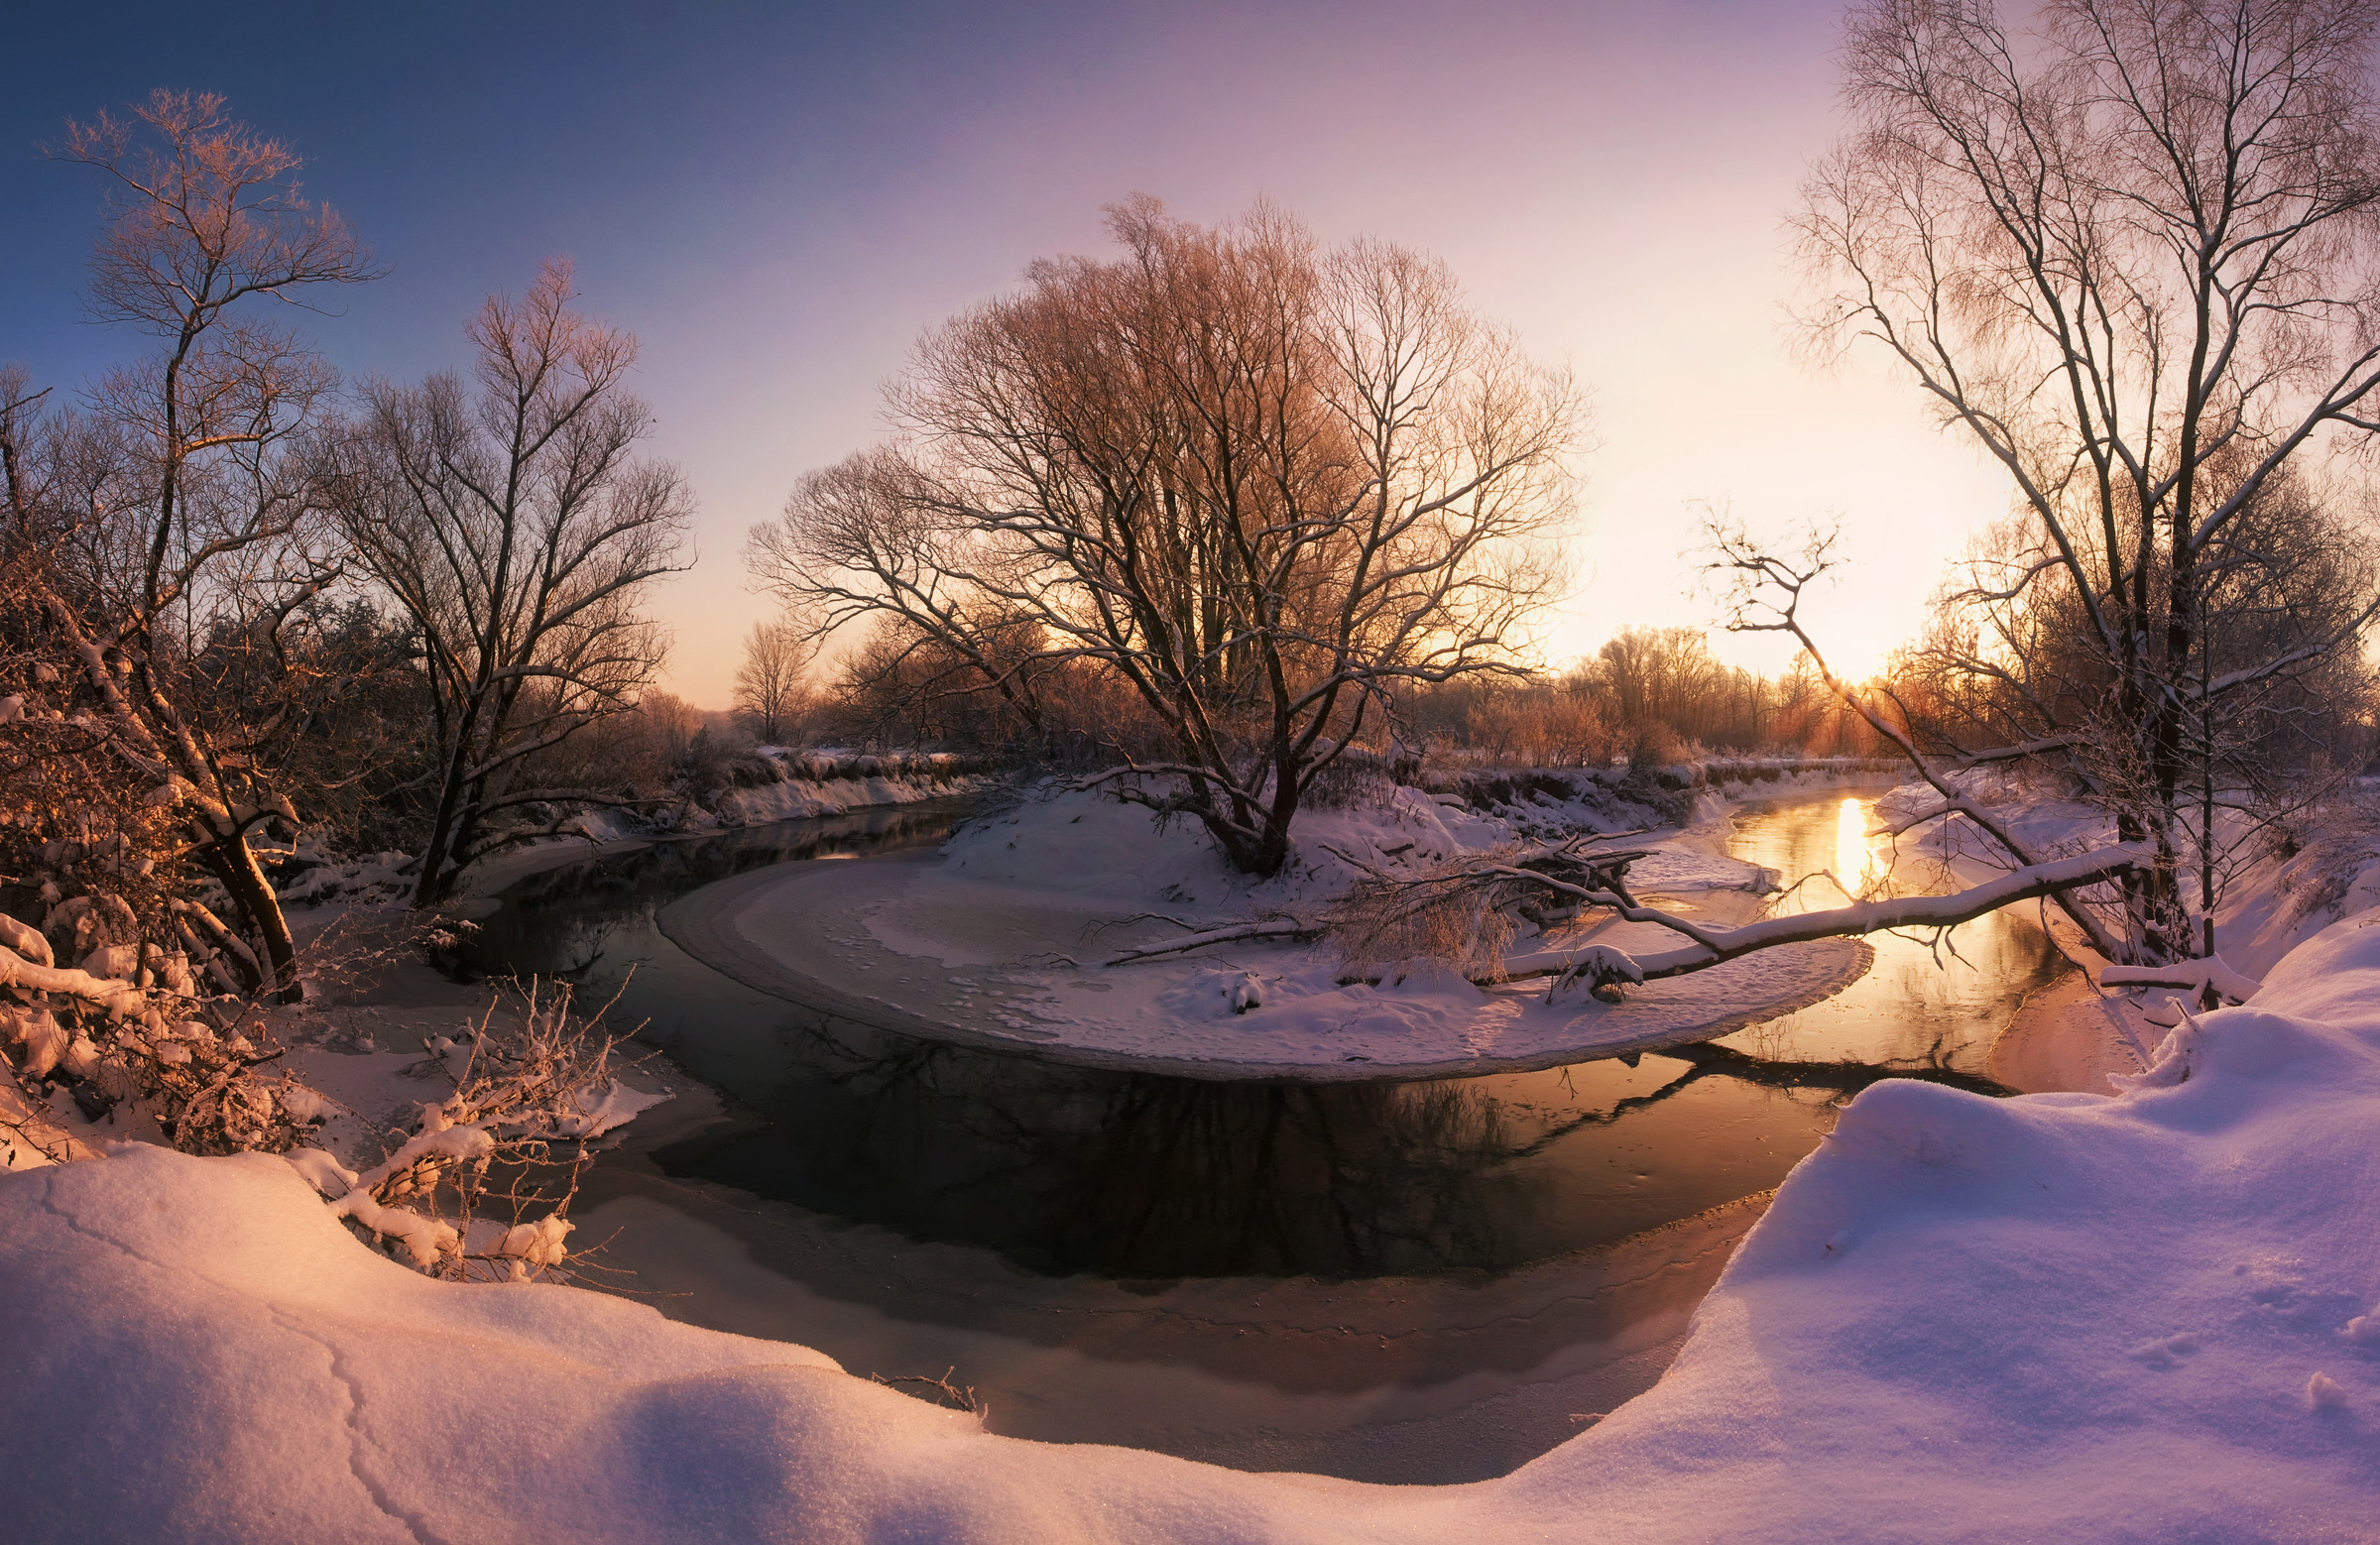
(800, 800)
(614, 1108)
(2197, 974)
(306, 1105)
(1000, 941)
(2146, 1316)
(773, 784)
(321, 876)
(323, 1171)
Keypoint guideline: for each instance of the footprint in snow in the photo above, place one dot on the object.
(2165, 1351)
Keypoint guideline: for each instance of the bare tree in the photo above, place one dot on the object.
(770, 683)
(1262, 483)
(176, 509)
(2131, 258)
(513, 524)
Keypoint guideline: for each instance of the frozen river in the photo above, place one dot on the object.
(1424, 1279)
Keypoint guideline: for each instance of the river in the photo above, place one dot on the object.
(1420, 1281)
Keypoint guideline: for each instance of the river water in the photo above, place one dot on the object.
(904, 1205)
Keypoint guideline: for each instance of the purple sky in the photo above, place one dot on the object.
(778, 200)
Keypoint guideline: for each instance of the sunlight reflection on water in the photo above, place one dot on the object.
(1856, 866)
(1915, 1005)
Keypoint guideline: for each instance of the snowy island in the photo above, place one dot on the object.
(1004, 938)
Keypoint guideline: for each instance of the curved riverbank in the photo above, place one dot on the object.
(2063, 1316)
(899, 944)
(2069, 1039)
(1364, 1278)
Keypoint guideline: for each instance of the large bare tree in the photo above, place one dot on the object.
(175, 509)
(2131, 256)
(513, 522)
(1262, 483)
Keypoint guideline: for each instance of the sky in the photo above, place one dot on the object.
(778, 199)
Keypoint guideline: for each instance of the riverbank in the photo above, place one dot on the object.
(998, 940)
(1365, 1183)
(788, 786)
(2148, 1316)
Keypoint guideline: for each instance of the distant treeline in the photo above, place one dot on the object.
(1649, 695)
(1654, 695)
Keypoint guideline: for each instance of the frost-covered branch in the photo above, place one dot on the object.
(1278, 928)
(2209, 973)
(527, 1103)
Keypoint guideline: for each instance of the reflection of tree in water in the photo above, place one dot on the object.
(1069, 1169)
(1082, 1169)
(1839, 1080)
(559, 922)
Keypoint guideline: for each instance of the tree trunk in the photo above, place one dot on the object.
(233, 864)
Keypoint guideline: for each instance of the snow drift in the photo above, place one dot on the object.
(2149, 1316)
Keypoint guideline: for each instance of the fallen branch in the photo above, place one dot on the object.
(1599, 880)
(1711, 946)
(1280, 928)
(2200, 975)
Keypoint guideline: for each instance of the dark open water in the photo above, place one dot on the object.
(1067, 1169)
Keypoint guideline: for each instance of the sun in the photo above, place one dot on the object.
(1857, 656)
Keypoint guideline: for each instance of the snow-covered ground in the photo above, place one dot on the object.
(2148, 1314)
(774, 784)
(2143, 1316)
(1003, 939)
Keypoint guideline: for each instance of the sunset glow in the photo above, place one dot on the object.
(1609, 181)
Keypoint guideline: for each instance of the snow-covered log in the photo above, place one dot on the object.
(2197, 974)
(1709, 946)
(1283, 928)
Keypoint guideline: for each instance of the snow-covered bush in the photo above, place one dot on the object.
(480, 1189)
(128, 1028)
(1449, 915)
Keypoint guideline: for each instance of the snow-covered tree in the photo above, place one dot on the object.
(169, 528)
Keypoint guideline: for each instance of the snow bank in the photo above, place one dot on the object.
(999, 944)
(797, 799)
(308, 873)
(777, 785)
(1088, 845)
(2270, 904)
(2146, 1317)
